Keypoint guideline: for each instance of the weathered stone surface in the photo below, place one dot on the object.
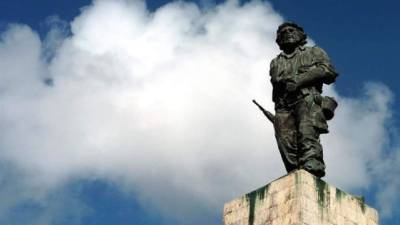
(298, 198)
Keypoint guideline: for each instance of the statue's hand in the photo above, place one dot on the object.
(304, 69)
(291, 85)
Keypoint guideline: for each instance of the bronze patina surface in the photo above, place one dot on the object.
(301, 112)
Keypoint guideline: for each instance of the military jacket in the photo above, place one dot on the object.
(309, 63)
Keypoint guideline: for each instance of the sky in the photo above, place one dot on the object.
(139, 113)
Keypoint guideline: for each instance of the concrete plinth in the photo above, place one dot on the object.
(299, 198)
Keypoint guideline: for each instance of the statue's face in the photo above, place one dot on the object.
(289, 36)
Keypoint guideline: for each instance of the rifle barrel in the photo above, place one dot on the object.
(267, 113)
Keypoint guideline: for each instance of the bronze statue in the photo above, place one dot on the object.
(301, 112)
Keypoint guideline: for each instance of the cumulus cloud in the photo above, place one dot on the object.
(388, 184)
(160, 103)
(359, 135)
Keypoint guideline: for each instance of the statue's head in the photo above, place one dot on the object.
(290, 35)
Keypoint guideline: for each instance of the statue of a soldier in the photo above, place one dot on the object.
(297, 75)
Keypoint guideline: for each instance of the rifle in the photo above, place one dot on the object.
(267, 113)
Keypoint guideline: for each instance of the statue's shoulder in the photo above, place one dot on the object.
(317, 51)
(319, 54)
(311, 49)
(273, 66)
(274, 61)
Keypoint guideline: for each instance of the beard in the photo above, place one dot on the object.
(290, 40)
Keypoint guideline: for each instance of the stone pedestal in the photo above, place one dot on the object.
(299, 198)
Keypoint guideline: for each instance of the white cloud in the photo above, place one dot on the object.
(389, 186)
(160, 103)
(358, 136)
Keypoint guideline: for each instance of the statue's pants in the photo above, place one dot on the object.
(298, 137)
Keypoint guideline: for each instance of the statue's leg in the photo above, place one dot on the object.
(286, 137)
(310, 148)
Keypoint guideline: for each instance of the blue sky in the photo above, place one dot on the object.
(100, 182)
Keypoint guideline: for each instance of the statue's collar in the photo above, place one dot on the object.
(291, 55)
